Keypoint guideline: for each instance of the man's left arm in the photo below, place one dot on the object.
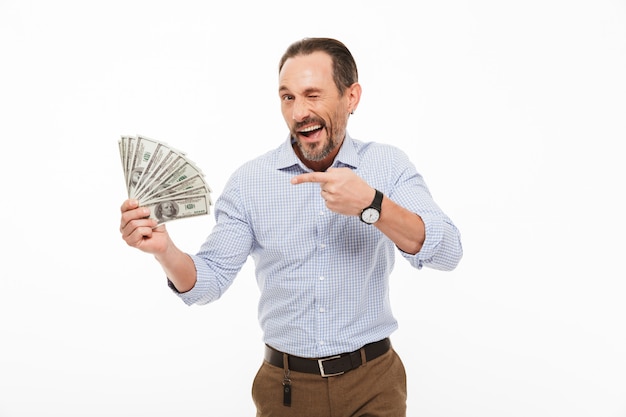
(432, 240)
(346, 193)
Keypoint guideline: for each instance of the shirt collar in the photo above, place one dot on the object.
(347, 156)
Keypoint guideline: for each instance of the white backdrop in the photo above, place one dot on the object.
(512, 111)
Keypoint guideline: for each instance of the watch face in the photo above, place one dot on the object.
(370, 215)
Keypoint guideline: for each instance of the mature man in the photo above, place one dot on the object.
(322, 216)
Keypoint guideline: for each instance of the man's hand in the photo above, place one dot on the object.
(139, 231)
(344, 191)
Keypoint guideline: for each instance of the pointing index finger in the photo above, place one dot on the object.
(309, 177)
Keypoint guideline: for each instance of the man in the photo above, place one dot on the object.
(322, 216)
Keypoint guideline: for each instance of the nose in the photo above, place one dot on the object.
(300, 110)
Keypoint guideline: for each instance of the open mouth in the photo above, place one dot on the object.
(310, 130)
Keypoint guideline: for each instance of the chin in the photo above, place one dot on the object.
(314, 155)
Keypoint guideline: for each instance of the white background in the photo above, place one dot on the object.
(512, 111)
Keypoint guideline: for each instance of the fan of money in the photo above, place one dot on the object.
(163, 179)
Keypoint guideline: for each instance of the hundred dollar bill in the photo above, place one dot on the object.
(122, 147)
(127, 148)
(148, 154)
(179, 208)
(129, 153)
(191, 193)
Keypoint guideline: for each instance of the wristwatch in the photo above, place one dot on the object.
(371, 214)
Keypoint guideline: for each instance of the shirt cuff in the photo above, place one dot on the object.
(433, 228)
(202, 292)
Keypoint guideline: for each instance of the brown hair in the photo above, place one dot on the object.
(344, 67)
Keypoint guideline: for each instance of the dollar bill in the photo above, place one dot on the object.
(179, 208)
(147, 156)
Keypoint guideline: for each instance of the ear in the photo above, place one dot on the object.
(353, 94)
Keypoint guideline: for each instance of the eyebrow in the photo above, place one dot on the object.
(306, 91)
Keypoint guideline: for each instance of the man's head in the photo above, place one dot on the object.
(166, 209)
(318, 87)
(344, 67)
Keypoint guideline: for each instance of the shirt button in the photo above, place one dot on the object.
(322, 278)
(322, 245)
(322, 309)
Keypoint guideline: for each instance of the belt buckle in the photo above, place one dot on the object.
(320, 362)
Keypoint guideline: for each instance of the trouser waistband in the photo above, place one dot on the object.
(332, 365)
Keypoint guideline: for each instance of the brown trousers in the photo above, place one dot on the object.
(375, 389)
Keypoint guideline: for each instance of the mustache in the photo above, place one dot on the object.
(308, 121)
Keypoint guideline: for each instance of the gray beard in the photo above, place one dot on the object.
(318, 155)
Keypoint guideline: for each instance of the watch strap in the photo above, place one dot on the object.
(377, 202)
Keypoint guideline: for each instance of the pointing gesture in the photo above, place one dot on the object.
(344, 191)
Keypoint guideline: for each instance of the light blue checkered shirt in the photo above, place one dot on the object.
(323, 276)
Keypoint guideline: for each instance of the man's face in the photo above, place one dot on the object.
(167, 209)
(315, 113)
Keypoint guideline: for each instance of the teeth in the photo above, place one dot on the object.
(310, 128)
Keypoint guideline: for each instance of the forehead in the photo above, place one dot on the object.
(306, 71)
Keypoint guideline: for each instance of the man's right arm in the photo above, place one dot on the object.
(139, 231)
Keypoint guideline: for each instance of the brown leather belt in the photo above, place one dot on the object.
(332, 365)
